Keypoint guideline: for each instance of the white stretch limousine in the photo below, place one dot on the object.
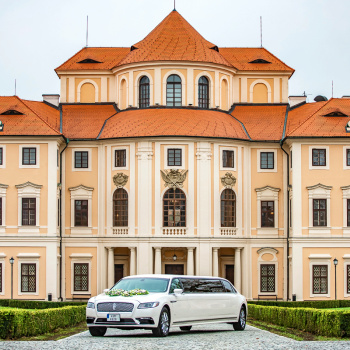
(157, 302)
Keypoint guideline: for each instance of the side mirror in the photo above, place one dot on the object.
(178, 291)
(105, 290)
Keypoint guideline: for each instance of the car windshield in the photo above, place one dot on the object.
(152, 285)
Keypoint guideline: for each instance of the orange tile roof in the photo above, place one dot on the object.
(108, 56)
(37, 119)
(173, 122)
(82, 121)
(174, 39)
(311, 120)
(262, 122)
(240, 57)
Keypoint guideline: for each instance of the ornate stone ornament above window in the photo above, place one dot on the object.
(228, 181)
(120, 180)
(174, 178)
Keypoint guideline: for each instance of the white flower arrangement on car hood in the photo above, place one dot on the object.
(126, 293)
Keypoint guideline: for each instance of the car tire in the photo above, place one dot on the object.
(163, 325)
(97, 331)
(186, 328)
(240, 325)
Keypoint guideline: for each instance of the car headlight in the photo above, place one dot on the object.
(90, 305)
(148, 305)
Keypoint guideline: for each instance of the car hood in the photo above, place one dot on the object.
(119, 299)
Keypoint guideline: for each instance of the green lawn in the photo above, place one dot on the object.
(13, 308)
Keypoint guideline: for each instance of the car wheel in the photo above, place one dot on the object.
(163, 325)
(97, 331)
(240, 325)
(186, 328)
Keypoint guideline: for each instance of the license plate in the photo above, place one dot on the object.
(113, 317)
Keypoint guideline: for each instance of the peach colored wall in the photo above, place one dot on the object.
(250, 81)
(96, 80)
(87, 93)
(260, 94)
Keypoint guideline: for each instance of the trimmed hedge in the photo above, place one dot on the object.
(331, 323)
(33, 304)
(23, 323)
(317, 304)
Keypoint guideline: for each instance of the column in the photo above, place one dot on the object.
(110, 267)
(158, 260)
(216, 262)
(190, 261)
(132, 261)
(238, 269)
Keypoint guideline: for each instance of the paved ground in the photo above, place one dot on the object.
(209, 337)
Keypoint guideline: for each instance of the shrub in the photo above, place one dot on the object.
(22, 323)
(331, 323)
(37, 304)
(316, 304)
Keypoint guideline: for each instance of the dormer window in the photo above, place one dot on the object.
(260, 60)
(89, 60)
(336, 112)
(11, 112)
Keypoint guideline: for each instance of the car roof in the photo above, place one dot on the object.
(172, 276)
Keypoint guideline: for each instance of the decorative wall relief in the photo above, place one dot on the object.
(174, 178)
(228, 181)
(120, 180)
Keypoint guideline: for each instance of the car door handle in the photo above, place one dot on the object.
(173, 301)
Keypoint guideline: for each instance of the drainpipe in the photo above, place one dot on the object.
(288, 216)
(67, 141)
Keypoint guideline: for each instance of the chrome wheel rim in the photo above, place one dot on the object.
(164, 322)
(242, 318)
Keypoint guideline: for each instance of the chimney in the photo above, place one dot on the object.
(52, 99)
(295, 100)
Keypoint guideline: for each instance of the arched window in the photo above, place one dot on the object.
(174, 91)
(174, 208)
(228, 208)
(203, 92)
(144, 92)
(120, 207)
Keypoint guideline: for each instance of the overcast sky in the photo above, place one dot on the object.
(311, 36)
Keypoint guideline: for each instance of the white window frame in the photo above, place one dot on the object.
(346, 196)
(320, 167)
(267, 193)
(319, 191)
(222, 149)
(37, 165)
(274, 261)
(81, 192)
(116, 148)
(89, 168)
(346, 258)
(3, 165)
(320, 259)
(274, 151)
(80, 258)
(345, 167)
(2, 262)
(28, 190)
(3, 190)
(183, 156)
(28, 258)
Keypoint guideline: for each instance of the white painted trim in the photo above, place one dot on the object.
(86, 81)
(228, 92)
(3, 165)
(183, 156)
(258, 155)
(346, 196)
(345, 167)
(183, 86)
(260, 262)
(80, 259)
(127, 157)
(320, 259)
(235, 160)
(211, 88)
(121, 78)
(346, 258)
(3, 264)
(137, 90)
(37, 165)
(111, 205)
(319, 191)
(28, 259)
(3, 190)
(260, 81)
(89, 150)
(322, 167)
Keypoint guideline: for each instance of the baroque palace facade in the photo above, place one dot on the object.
(174, 156)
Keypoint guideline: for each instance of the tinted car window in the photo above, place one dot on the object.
(202, 286)
(227, 286)
(175, 284)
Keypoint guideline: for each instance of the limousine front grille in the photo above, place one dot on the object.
(122, 322)
(115, 307)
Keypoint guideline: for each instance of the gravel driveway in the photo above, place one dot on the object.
(218, 336)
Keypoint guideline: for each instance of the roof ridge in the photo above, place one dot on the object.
(278, 59)
(312, 114)
(38, 115)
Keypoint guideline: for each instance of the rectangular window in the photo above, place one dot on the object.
(318, 157)
(81, 159)
(320, 279)
(320, 212)
(0, 278)
(28, 156)
(291, 159)
(348, 211)
(28, 278)
(348, 157)
(81, 277)
(120, 158)
(174, 157)
(81, 213)
(228, 159)
(267, 160)
(267, 214)
(1, 156)
(1, 211)
(348, 278)
(29, 211)
(267, 278)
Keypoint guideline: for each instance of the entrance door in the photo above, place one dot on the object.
(230, 273)
(118, 272)
(174, 269)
